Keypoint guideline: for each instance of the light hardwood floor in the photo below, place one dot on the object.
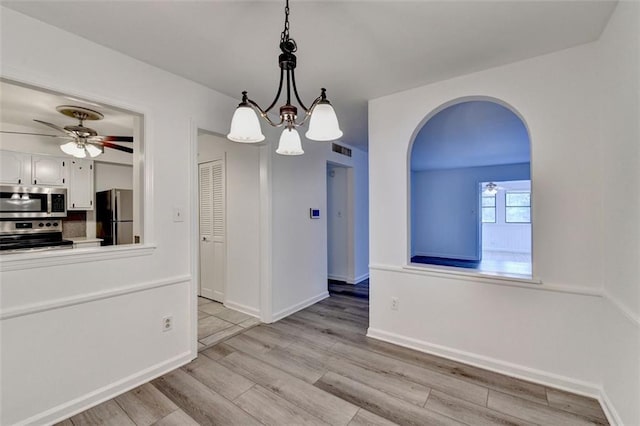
(317, 367)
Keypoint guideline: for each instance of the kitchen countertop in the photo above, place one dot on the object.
(84, 240)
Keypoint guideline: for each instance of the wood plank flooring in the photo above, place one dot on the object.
(317, 367)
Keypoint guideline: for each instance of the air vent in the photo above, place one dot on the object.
(341, 149)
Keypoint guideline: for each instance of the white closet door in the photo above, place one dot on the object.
(212, 230)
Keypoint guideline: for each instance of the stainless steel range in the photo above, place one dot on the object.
(32, 235)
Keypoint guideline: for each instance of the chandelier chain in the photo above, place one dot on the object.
(285, 33)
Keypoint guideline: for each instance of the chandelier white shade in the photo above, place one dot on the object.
(290, 143)
(323, 125)
(245, 126)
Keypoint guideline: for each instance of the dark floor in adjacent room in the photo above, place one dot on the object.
(317, 367)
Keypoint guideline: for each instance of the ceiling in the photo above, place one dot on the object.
(358, 50)
(471, 134)
(20, 105)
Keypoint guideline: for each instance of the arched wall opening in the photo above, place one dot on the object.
(470, 188)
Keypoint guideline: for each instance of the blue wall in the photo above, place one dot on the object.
(445, 208)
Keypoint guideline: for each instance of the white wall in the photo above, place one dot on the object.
(77, 333)
(557, 324)
(299, 245)
(242, 289)
(337, 223)
(619, 50)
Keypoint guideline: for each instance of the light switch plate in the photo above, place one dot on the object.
(178, 214)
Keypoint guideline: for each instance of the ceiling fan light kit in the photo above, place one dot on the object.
(323, 122)
(490, 189)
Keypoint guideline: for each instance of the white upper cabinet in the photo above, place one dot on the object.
(80, 184)
(47, 170)
(15, 168)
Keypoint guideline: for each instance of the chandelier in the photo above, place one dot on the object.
(323, 123)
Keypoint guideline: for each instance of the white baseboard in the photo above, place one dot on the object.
(299, 306)
(348, 280)
(80, 404)
(242, 308)
(488, 363)
(358, 279)
(337, 277)
(609, 409)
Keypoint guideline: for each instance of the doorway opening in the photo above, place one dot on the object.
(216, 320)
(340, 261)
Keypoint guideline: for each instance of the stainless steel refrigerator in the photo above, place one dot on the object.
(114, 216)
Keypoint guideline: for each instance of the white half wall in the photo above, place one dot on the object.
(242, 287)
(559, 333)
(77, 330)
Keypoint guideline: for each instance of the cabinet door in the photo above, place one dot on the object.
(15, 168)
(80, 185)
(46, 170)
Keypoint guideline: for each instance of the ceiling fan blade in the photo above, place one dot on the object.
(34, 134)
(118, 147)
(53, 126)
(114, 138)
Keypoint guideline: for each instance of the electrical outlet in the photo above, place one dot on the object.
(394, 303)
(167, 323)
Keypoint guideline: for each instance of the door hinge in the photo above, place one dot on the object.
(62, 180)
(73, 204)
(35, 182)
(19, 180)
(63, 164)
(91, 167)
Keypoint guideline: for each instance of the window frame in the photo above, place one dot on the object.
(494, 207)
(507, 206)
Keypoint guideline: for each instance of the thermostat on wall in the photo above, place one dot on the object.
(314, 213)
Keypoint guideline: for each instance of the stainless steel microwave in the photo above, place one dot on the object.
(21, 202)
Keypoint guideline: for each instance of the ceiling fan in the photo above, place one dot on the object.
(82, 141)
(491, 188)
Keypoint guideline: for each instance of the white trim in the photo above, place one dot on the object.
(358, 279)
(338, 277)
(266, 237)
(492, 364)
(254, 312)
(43, 259)
(299, 306)
(49, 305)
(84, 402)
(484, 278)
(609, 409)
(624, 309)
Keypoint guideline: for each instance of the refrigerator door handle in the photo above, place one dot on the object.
(118, 213)
(114, 232)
